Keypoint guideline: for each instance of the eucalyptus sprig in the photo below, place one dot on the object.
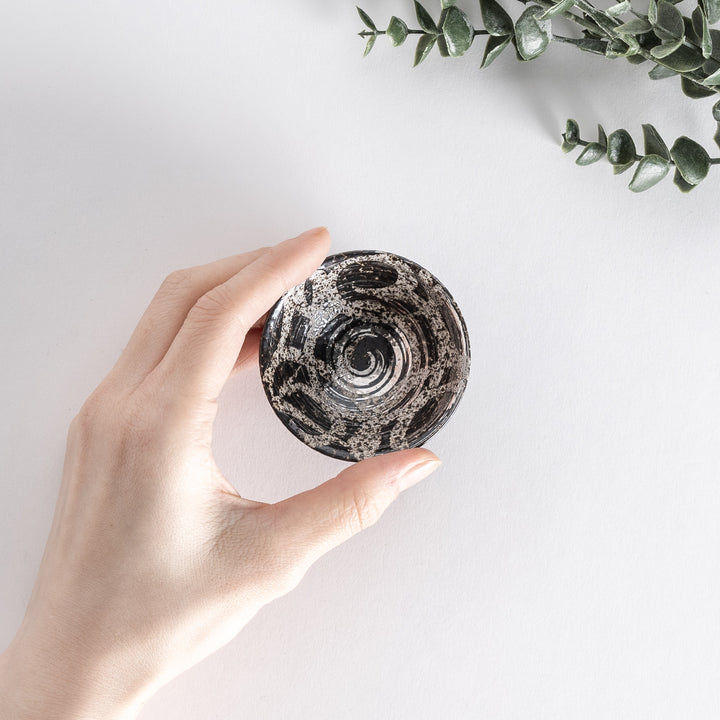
(677, 45)
(690, 159)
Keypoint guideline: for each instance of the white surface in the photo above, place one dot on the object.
(564, 563)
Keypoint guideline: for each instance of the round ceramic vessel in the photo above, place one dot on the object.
(369, 355)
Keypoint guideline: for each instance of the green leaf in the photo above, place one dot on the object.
(654, 144)
(602, 137)
(457, 31)
(623, 46)
(716, 111)
(652, 12)
(447, 4)
(424, 46)
(496, 20)
(605, 23)
(397, 31)
(518, 56)
(366, 19)
(716, 136)
(616, 48)
(680, 181)
(706, 42)
(636, 26)
(494, 46)
(648, 40)
(650, 171)
(694, 90)
(660, 72)
(559, 7)
(441, 20)
(667, 48)
(572, 131)
(702, 32)
(620, 148)
(669, 21)
(423, 17)
(589, 44)
(697, 16)
(591, 33)
(570, 136)
(532, 35)
(710, 66)
(690, 34)
(591, 153)
(713, 79)
(712, 10)
(636, 59)
(619, 169)
(369, 45)
(684, 59)
(619, 8)
(633, 45)
(691, 160)
(442, 46)
(715, 38)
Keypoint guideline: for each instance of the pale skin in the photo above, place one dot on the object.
(154, 559)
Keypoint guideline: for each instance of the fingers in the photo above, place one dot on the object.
(205, 349)
(320, 519)
(166, 313)
(249, 352)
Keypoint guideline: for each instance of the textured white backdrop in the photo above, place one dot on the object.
(565, 561)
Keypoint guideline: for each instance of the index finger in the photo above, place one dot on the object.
(203, 353)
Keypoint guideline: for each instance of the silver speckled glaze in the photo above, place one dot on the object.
(369, 355)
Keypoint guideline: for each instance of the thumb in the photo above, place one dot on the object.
(320, 519)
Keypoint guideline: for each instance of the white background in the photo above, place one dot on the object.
(565, 560)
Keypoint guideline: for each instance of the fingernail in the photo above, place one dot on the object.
(311, 233)
(416, 473)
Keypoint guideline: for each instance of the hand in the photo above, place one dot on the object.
(154, 560)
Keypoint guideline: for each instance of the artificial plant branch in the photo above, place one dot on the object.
(677, 45)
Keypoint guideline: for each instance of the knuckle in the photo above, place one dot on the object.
(177, 281)
(90, 416)
(215, 302)
(360, 511)
(273, 274)
(217, 306)
(115, 423)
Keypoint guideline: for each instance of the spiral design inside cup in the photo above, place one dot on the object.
(368, 360)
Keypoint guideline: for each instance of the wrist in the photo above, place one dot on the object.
(42, 676)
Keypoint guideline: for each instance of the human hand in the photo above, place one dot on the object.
(154, 560)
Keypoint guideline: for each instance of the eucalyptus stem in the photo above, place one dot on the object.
(689, 159)
(675, 44)
(638, 158)
(368, 33)
(686, 40)
(690, 75)
(568, 15)
(612, 34)
(585, 143)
